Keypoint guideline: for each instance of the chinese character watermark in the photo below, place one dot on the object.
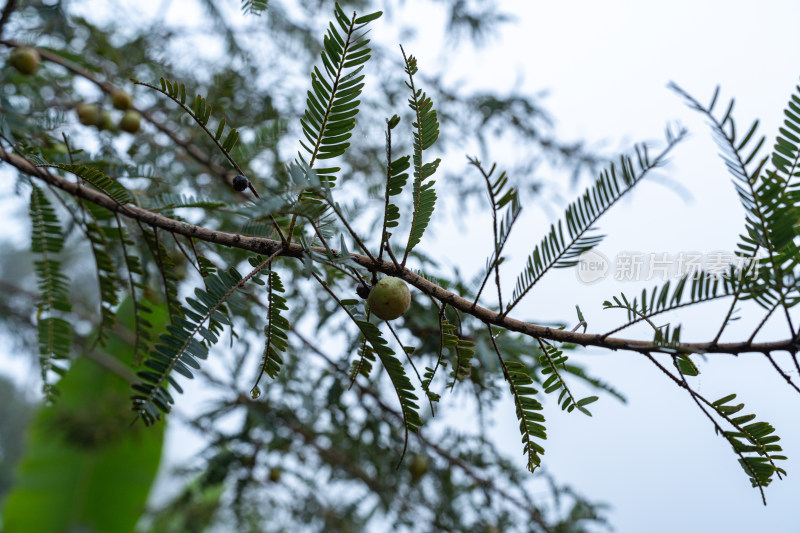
(593, 266)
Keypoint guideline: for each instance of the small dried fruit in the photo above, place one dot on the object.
(389, 298)
(25, 59)
(363, 290)
(240, 183)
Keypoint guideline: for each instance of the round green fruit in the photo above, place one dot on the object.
(25, 59)
(121, 100)
(106, 122)
(89, 114)
(130, 121)
(418, 467)
(275, 474)
(389, 298)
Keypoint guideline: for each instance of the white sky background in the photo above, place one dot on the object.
(656, 461)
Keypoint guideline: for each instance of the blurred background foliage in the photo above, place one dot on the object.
(312, 453)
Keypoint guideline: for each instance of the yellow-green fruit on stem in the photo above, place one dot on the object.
(106, 122)
(275, 474)
(418, 467)
(121, 100)
(389, 298)
(89, 114)
(25, 60)
(130, 121)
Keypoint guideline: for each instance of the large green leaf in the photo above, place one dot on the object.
(85, 467)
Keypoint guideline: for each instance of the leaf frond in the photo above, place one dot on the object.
(754, 442)
(463, 349)
(396, 179)
(54, 332)
(562, 249)
(277, 328)
(254, 7)
(332, 102)
(178, 350)
(553, 362)
(426, 132)
(98, 180)
(200, 111)
(690, 289)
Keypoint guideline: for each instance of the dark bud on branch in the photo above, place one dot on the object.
(240, 183)
(363, 290)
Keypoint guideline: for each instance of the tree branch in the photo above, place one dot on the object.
(266, 246)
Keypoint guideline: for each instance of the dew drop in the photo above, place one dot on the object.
(255, 392)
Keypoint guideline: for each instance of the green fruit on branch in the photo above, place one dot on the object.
(121, 100)
(389, 298)
(25, 59)
(418, 467)
(89, 114)
(130, 121)
(106, 122)
(275, 474)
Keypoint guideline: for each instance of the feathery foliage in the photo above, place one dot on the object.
(55, 333)
(703, 287)
(500, 197)
(332, 103)
(308, 406)
(756, 439)
(276, 329)
(463, 349)
(397, 374)
(363, 364)
(179, 349)
(142, 327)
(200, 111)
(97, 179)
(767, 197)
(558, 251)
(426, 132)
(786, 152)
(394, 368)
(396, 178)
(531, 421)
(254, 7)
(553, 361)
(168, 201)
(101, 234)
(166, 269)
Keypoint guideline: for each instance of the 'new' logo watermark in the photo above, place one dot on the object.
(592, 267)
